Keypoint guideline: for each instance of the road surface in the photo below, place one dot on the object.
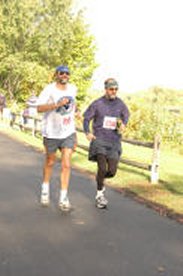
(128, 239)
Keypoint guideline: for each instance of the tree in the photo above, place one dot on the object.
(35, 37)
(151, 114)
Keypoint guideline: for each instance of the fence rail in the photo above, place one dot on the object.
(33, 124)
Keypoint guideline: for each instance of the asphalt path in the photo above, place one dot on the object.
(128, 239)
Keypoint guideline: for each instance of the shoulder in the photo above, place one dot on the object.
(99, 101)
(123, 107)
(95, 103)
(72, 87)
(49, 88)
(46, 93)
(120, 101)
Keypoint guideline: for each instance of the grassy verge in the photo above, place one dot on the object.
(169, 191)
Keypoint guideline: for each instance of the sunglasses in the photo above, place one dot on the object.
(113, 89)
(62, 73)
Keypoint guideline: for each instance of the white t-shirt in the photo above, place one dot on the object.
(59, 123)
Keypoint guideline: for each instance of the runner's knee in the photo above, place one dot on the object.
(112, 168)
(50, 160)
(66, 165)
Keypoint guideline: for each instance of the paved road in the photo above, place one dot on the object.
(126, 240)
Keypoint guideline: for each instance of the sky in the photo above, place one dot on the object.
(139, 42)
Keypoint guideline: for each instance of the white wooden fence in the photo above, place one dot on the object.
(34, 125)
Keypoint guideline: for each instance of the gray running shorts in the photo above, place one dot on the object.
(53, 144)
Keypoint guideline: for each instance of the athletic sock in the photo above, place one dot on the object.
(99, 193)
(63, 194)
(45, 188)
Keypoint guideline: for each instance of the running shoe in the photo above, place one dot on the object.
(65, 205)
(101, 202)
(45, 199)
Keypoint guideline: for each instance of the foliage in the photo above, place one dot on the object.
(20, 78)
(35, 37)
(157, 111)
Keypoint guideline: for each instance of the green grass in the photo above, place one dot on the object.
(169, 191)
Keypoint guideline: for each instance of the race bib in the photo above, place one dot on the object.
(65, 123)
(109, 122)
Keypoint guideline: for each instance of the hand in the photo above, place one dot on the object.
(75, 146)
(63, 102)
(90, 136)
(78, 115)
(121, 128)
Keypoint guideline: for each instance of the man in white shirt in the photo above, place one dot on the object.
(57, 101)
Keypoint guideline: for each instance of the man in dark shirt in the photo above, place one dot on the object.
(109, 116)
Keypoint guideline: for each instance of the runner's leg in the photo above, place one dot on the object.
(66, 168)
(100, 199)
(102, 163)
(47, 172)
(48, 166)
(112, 167)
(64, 203)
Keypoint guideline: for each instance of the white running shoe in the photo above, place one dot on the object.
(45, 199)
(65, 205)
(101, 202)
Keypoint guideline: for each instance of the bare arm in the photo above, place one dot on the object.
(90, 136)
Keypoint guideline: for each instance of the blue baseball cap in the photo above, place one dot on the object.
(62, 68)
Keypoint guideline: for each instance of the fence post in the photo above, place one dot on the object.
(34, 126)
(155, 160)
